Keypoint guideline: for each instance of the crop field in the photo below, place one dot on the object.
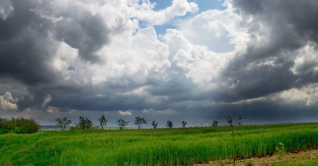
(179, 146)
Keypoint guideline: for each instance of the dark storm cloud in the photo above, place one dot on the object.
(289, 25)
(5, 9)
(29, 38)
(88, 35)
(27, 45)
(15, 87)
(23, 46)
(69, 95)
(178, 86)
(261, 112)
(77, 27)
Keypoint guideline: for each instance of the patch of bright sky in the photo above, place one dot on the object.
(204, 5)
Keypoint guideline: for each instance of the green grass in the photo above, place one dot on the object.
(152, 147)
(299, 163)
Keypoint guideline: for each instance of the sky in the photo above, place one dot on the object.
(195, 60)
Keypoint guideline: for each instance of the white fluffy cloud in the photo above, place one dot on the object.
(159, 112)
(199, 64)
(8, 103)
(178, 8)
(307, 95)
(219, 30)
(129, 60)
(306, 60)
(124, 113)
(140, 57)
(133, 56)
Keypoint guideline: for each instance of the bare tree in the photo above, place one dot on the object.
(122, 123)
(184, 123)
(215, 123)
(230, 122)
(139, 121)
(154, 124)
(169, 124)
(63, 122)
(102, 121)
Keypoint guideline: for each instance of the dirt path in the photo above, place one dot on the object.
(267, 161)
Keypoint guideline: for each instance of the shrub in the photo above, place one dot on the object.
(4, 126)
(280, 150)
(18, 125)
(74, 128)
(250, 163)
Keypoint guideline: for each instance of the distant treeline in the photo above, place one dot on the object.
(22, 125)
(18, 125)
(87, 124)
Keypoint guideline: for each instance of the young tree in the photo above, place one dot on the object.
(81, 123)
(122, 123)
(139, 121)
(184, 123)
(230, 122)
(84, 123)
(154, 124)
(102, 121)
(215, 123)
(63, 122)
(169, 124)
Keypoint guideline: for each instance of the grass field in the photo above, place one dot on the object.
(300, 163)
(152, 147)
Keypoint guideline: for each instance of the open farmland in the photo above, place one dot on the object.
(179, 146)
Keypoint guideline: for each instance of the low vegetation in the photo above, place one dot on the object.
(175, 146)
(18, 125)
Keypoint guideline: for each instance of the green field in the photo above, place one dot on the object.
(306, 163)
(152, 147)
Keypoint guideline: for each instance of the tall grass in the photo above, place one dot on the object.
(153, 147)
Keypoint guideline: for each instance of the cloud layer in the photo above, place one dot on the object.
(252, 59)
(8, 103)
